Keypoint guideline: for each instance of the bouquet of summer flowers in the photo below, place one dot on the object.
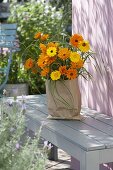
(60, 63)
(60, 60)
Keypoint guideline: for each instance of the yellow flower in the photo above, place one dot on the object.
(37, 35)
(84, 46)
(29, 63)
(75, 57)
(55, 75)
(75, 39)
(64, 53)
(51, 51)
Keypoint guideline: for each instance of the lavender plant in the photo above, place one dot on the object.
(16, 153)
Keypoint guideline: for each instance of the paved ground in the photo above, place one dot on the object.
(63, 162)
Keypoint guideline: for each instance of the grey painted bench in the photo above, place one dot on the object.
(8, 44)
(90, 141)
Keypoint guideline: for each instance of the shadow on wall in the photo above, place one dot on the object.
(93, 19)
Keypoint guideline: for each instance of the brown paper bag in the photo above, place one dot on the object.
(63, 99)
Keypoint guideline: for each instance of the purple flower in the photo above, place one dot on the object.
(17, 146)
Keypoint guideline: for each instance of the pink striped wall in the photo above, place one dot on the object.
(94, 20)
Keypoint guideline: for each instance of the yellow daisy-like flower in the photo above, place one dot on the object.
(42, 47)
(84, 46)
(37, 35)
(29, 63)
(51, 51)
(64, 53)
(44, 37)
(55, 75)
(71, 74)
(75, 57)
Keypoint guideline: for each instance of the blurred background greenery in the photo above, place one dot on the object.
(50, 17)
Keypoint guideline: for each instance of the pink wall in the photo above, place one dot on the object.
(94, 20)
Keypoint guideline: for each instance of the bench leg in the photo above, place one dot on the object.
(89, 161)
(53, 155)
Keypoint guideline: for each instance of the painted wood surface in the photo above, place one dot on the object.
(8, 43)
(95, 23)
(89, 140)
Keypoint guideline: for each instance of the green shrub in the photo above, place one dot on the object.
(17, 151)
(31, 18)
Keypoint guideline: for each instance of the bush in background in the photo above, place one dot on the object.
(32, 17)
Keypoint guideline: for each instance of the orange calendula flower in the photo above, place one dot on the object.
(29, 63)
(34, 70)
(75, 39)
(44, 37)
(52, 44)
(51, 60)
(63, 70)
(37, 35)
(64, 53)
(51, 51)
(75, 57)
(84, 46)
(73, 65)
(80, 63)
(55, 75)
(42, 47)
(42, 61)
(44, 72)
(71, 74)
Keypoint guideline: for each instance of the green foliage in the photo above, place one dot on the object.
(31, 18)
(17, 151)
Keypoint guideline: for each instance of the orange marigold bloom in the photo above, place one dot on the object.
(42, 47)
(34, 70)
(42, 61)
(37, 35)
(64, 53)
(71, 74)
(80, 63)
(29, 63)
(52, 44)
(44, 37)
(63, 70)
(51, 60)
(75, 39)
(73, 65)
(44, 72)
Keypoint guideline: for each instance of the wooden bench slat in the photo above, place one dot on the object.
(7, 32)
(84, 141)
(8, 26)
(7, 38)
(91, 132)
(99, 116)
